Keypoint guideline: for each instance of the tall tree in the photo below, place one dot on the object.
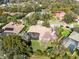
(13, 44)
(70, 17)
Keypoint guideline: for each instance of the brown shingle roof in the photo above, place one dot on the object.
(16, 27)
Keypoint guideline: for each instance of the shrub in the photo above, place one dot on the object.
(66, 32)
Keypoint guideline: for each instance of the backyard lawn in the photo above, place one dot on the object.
(37, 45)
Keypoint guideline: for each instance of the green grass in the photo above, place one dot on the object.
(37, 45)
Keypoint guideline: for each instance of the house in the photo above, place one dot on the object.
(59, 14)
(71, 42)
(13, 28)
(39, 32)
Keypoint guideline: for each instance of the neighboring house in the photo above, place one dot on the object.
(59, 14)
(13, 28)
(76, 29)
(71, 42)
